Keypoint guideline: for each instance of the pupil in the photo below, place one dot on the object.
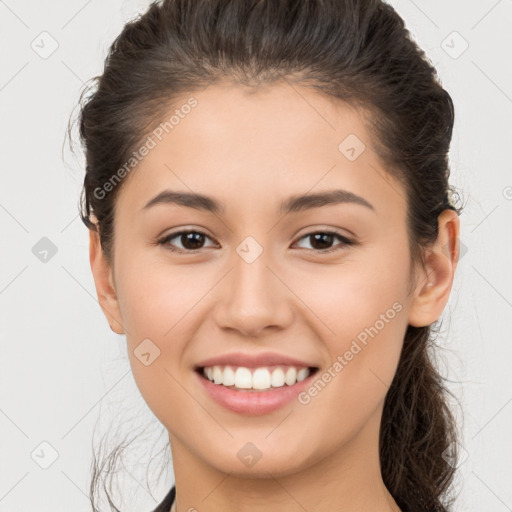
(194, 240)
(318, 236)
(189, 237)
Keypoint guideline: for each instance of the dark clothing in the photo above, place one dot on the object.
(166, 505)
(168, 501)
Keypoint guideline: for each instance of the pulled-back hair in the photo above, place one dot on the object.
(357, 51)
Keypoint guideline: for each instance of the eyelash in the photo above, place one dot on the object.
(165, 239)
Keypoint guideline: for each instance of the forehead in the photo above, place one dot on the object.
(259, 146)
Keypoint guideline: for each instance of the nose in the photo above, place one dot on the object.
(253, 297)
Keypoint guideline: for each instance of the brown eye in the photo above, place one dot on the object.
(191, 241)
(321, 241)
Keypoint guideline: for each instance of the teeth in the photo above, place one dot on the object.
(302, 374)
(243, 378)
(217, 375)
(228, 377)
(259, 378)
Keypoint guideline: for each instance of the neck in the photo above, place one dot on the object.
(346, 480)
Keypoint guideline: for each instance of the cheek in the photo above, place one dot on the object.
(154, 301)
(358, 295)
(156, 298)
(362, 309)
(156, 334)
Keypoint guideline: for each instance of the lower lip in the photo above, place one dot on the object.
(254, 403)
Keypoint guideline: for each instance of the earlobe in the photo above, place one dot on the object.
(104, 282)
(434, 284)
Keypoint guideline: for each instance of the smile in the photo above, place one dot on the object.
(254, 391)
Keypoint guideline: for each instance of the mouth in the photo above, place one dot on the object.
(254, 391)
(255, 380)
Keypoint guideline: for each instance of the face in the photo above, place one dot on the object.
(325, 282)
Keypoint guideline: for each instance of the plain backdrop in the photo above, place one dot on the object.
(61, 368)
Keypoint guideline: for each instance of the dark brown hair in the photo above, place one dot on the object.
(357, 51)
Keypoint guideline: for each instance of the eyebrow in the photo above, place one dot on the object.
(293, 204)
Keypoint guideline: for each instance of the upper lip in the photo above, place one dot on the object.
(254, 360)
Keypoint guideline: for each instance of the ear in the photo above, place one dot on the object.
(435, 281)
(103, 279)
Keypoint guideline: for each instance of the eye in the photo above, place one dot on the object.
(193, 240)
(323, 238)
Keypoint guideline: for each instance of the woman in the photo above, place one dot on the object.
(271, 228)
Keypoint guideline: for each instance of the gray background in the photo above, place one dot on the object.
(61, 368)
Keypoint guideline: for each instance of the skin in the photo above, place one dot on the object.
(250, 151)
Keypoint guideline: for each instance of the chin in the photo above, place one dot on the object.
(251, 463)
